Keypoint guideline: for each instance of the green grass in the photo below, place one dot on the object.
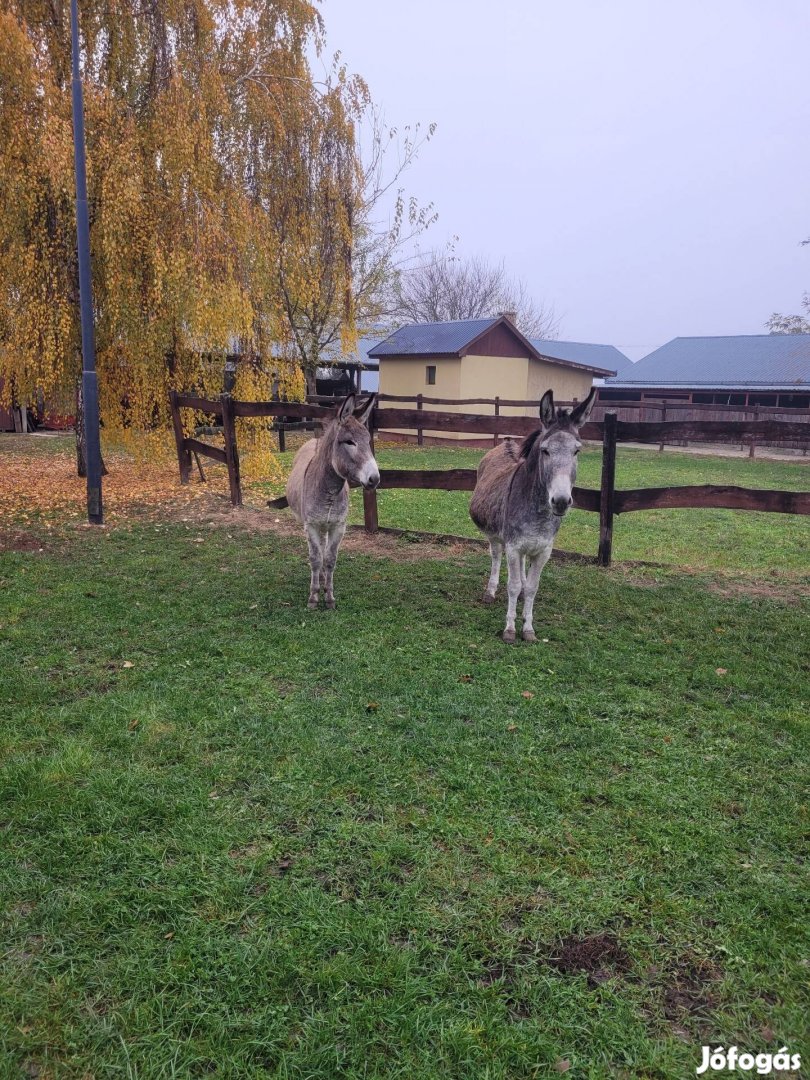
(710, 539)
(347, 844)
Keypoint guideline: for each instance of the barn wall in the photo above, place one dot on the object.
(481, 376)
(499, 341)
(406, 375)
(566, 383)
(488, 376)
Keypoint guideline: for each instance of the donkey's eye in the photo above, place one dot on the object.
(577, 449)
(544, 451)
(349, 442)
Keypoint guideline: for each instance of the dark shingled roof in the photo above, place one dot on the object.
(432, 339)
(580, 352)
(747, 362)
(453, 338)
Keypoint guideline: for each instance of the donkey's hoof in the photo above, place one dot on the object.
(487, 598)
(529, 635)
(330, 602)
(509, 636)
(312, 604)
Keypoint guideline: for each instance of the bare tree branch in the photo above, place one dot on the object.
(444, 287)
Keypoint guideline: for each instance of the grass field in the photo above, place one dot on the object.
(246, 840)
(711, 539)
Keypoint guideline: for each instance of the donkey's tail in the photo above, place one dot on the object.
(279, 504)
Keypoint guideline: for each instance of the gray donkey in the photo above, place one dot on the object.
(522, 493)
(318, 488)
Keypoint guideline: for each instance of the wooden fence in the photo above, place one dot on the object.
(634, 411)
(606, 501)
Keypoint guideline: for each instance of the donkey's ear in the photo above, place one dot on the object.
(346, 408)
(363, 411)
(580, 414)
(547, 409)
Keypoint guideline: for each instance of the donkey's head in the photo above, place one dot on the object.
(551, 451)
(351, 444)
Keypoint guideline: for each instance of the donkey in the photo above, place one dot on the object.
(522, 493)
(318, 488)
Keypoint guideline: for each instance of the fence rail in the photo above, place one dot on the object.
(606, 501)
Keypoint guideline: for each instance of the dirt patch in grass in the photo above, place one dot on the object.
(255, 519)
(599, 956)
(14, 540)
(630, 574)
(788, 592)
(494, 972)
(688, 991)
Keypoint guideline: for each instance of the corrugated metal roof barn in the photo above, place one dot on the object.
(744, 362)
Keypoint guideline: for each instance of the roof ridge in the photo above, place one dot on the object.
(726, 337)
(451, 322)
(568, 341)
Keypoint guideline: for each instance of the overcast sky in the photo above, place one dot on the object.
(644, 166)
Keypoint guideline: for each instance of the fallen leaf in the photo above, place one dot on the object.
(134, 723)
(511, 727)
(127, 663)
(213, 794)
(253, 607)
(767, 1033)
(721, 671)
(563, 1065)
(465, 678)
(667, 738)
(527, 694)
(372, 706)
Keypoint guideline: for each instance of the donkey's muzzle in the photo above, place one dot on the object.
(561, 505)
(372, 483)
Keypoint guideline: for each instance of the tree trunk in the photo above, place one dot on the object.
(311, 377)
(81, 441)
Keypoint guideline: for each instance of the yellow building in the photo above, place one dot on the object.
(485, 358)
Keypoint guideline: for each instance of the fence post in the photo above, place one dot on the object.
(608, 490)
(419, 431)
(663, 418)
(231, 450)
(752, 446)
(282, 439)
(497, 413)
(370, 522)
(183, 454)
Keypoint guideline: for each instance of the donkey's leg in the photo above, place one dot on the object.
(523, 563)
(533, 572)
(315, 544)
(496, 551)
(333, 539)
(513, 564)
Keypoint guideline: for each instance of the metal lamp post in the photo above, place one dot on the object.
(95, 512)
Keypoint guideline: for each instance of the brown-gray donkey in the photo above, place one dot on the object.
(522, 493)
(318, 488)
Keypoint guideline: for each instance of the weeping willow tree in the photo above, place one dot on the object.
(223, 183)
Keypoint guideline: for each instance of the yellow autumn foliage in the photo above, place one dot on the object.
(222, 180)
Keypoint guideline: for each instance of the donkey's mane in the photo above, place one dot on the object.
(562, 422)
(528, 443)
